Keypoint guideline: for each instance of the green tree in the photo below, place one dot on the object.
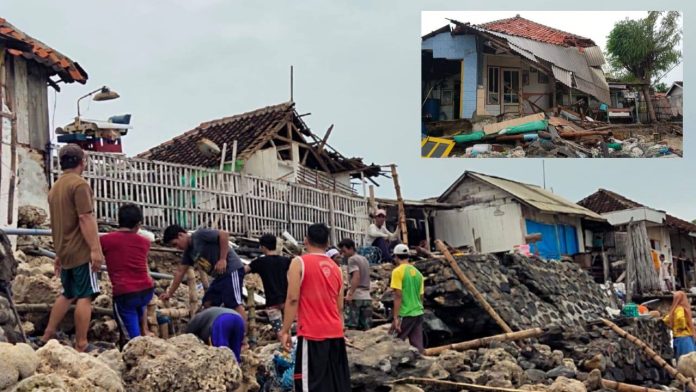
(645, 48)
(661, 87)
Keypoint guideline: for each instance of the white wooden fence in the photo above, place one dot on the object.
(200, 197)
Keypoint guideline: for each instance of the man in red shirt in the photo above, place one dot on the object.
(315, 296)
(126, 262)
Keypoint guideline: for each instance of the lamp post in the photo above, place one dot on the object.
(101, 94)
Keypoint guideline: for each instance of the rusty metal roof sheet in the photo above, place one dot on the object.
(528, 194)
(594, 56)
(35, 50)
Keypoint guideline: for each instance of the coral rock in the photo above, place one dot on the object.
(182, 363)
(563, 384)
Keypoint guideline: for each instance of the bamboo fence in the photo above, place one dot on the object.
(240, 204)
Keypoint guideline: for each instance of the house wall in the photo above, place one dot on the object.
(557, 219)
(26, 82)
(681, 241)
(534, 87)
(676, 100)
(447, 86)
(492, 221)
(459, 47)
(661, 238)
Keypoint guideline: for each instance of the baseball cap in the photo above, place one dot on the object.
(71, 151)
(401, 250)
(380, 212)
(332, 252)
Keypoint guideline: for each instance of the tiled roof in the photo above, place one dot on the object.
(525, 28)
(251, 130)
(41, 53)
(604, 201)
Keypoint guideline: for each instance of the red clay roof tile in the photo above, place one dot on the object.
(525, 28)
(57, 63)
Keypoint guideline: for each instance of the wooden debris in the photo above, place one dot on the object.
(470, 387)
(174, 312)
(476, 343)
(400, 201)
(652, 355)
(470, 286)
(623, 387)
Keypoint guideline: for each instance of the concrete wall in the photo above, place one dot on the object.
(662, 241)
(459, 47)
(492, 221)
(26, 82)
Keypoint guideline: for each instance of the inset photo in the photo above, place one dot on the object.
(551, 84)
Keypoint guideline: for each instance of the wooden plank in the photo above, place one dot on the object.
(400, 203)
(490, 129)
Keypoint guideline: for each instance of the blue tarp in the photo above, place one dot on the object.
(556, 240)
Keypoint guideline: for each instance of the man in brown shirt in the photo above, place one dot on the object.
(76, 241)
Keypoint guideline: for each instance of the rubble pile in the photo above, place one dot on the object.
(525, 292)
(561, 133)
(617, 358)
(61, 368)
(182, 363)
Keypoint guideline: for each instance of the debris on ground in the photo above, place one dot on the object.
(559, 133)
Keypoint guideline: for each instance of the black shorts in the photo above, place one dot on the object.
(321, 365)
(226, 290)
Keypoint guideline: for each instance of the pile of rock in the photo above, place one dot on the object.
(146, 364)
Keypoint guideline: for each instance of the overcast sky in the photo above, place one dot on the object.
(571, 21)
(357, 65)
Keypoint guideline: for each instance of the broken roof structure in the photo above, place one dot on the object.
(512, 65)
(573, 60)
(277, 125)
(22, 45)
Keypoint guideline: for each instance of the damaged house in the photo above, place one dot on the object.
(667, 235)
(490, 214)
(258, 172)
(510, 65)
(27, 68)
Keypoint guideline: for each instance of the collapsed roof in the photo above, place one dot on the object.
(573, 60)
(604, 201)
(20, 44)
(254, 130)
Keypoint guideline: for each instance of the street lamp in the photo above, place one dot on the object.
(102, 94)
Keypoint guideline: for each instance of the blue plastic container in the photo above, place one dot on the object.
(432, 109)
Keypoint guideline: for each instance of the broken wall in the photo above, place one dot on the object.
(463, 48)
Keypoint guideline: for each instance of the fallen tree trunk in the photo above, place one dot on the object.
(174, 312)
(470, 287)
(652, 355)
(470, 387)
(476, 343)
(623, 387)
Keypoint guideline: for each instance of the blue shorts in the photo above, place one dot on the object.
(683, 345)
(228, 331)
(129, 310)
(225, 290)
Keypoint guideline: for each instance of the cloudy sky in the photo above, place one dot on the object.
(178, 63)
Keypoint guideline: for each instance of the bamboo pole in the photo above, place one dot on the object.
(400, 202)
(152, 324)
(652, 354)
(471, 387)
(471, 288)
(37, 308)
(193, 295)
(476, 343)
(251, 314)
(623, 387)
(174, 312)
